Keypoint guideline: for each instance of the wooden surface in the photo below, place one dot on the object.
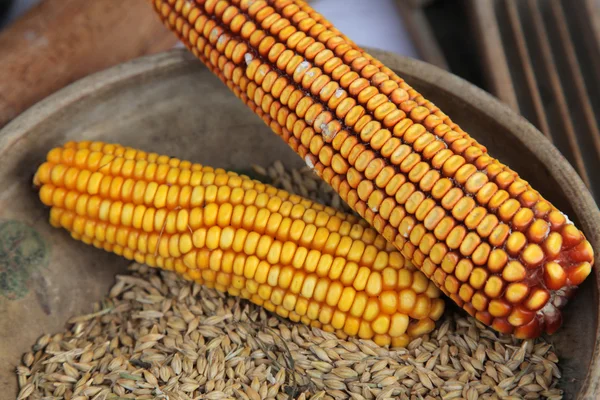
(421, 32)
(501, 82)
(60, 41)
(418, 3)
(171, 104)
(543, 59)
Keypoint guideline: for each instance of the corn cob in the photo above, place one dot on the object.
(488, 240)
(302, 260)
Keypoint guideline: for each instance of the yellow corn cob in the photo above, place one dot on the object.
(305, 261)
(470, 223)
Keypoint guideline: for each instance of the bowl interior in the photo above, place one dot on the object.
(172, 105)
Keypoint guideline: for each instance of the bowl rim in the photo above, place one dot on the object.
(577, 193)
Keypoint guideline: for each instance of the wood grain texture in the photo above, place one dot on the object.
(60, 41)
(418, 3)
(527, 66)
(570, 68)
(551, 49)
(562, 129)
(421, 33)
(497, 73)
(591, 8)
(576, 73)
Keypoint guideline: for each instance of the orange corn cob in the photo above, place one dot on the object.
(471, 224)
(305, 261)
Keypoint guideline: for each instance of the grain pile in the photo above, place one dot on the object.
(156, 336)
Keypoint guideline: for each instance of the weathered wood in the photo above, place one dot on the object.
(495, 65)
(421, 33)
(551, 50)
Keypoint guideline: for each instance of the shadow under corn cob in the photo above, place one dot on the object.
(481, 233)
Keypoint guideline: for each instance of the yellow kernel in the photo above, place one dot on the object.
(309, 260)
(359, 305)
(337, 267)
(264, 291)
(405, 281)
(324, 265)
(389, 301)
(285, 276)
(420, 282)
(555, 276)
(455, 237)
(374, 284)
(301, 306)
(514, 272)
(309, 285)
(493, 287)
(346, 299)
(499, 308)
(479, 301)
(398, 325)
(515, 242)
(407, 299)
(365, 331)
(362, 278)
(481, 254)
(537, 299)
(463, 271)
(516, 292)
(352, 326)
(389, 277)
(334, 293)
(532, 255)
(381, 324)
(478, 278)
(553, 244)
(371, 310)
(538, 231)
(349, 273)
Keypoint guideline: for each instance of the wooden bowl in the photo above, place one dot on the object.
(171, 104)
